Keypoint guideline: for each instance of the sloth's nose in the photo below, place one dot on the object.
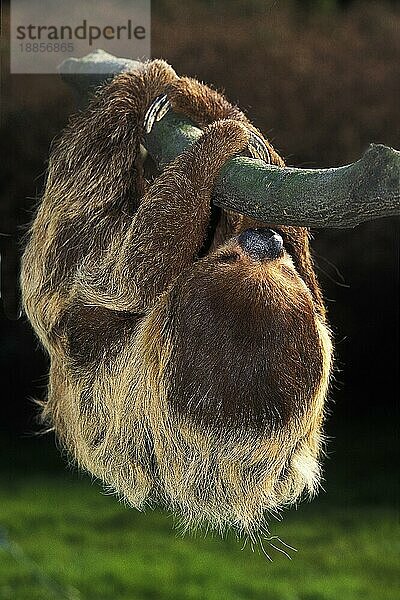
(261, 243)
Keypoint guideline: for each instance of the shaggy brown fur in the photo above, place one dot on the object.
(181, 376)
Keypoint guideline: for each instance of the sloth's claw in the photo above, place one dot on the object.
(257, 147)
(161, 105)
(157, 109)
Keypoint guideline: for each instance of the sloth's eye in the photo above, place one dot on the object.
(229, 258)
(279, 232)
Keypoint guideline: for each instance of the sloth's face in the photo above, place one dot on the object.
(248, 346)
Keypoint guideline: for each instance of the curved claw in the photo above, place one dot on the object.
(157, 109)
(257, 147)
(161, 105)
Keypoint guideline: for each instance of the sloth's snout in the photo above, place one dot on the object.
(261, 243)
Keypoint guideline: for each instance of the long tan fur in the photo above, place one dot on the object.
(192, 380)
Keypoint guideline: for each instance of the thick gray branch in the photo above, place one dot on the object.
(339, 197)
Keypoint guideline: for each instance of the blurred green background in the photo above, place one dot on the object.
(321, 79)
(62, 538)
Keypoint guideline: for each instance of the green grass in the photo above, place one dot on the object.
(62, 538)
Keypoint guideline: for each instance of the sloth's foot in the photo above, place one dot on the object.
(161, 105)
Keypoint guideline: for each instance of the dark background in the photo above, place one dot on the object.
(321, 80)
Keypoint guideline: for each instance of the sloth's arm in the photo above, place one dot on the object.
(86, 246)
(168, 228)
(93, 188)
(171, 223)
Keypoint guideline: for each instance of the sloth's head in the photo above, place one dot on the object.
(241, 360)
(247, 346)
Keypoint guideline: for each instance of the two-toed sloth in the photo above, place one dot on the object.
(189, 360)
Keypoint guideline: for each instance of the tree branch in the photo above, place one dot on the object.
(339, 197)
